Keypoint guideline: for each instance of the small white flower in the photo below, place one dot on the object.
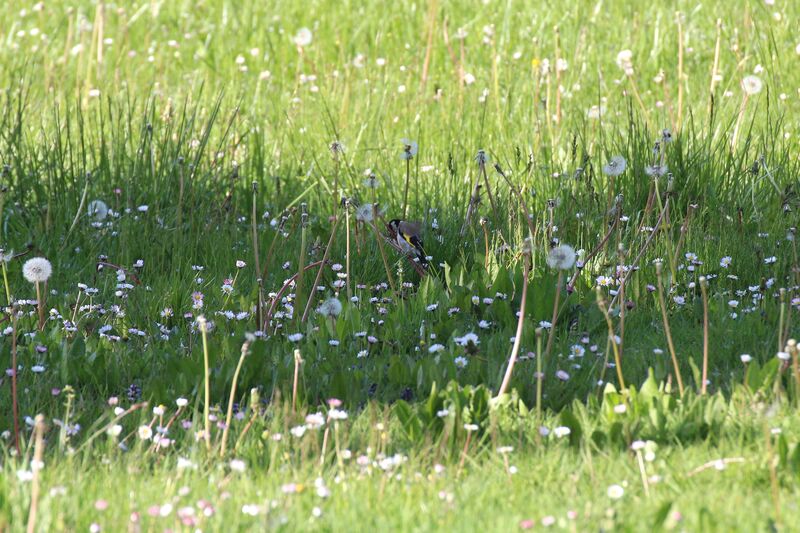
(559, 432)
(182, 402)
(746, 358)
(615, 492)
(145, 432)
(461, 362)
(237, 465)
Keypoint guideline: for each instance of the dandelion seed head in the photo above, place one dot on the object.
(37, 270)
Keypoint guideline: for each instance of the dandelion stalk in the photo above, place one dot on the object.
(552, 333)
(539, 373)
(347, 244)
(245, 351)
(667, 331)
(405, 190)
(298, 360)
(512, 359)
(255, 398)
(642, 471)
(601, 303)
(14, 403)
(201, 320)
(4, 259)
(36, 466)
(481, 159)
(319, 272)
(781, 316)
(80, 210)
(679, 18)
(298, 293)
(254, 224)
(380, 248)
(704, 291)
(40, 306)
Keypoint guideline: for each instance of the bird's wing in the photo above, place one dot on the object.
(411, 228)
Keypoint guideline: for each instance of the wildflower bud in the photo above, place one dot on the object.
(255, 399)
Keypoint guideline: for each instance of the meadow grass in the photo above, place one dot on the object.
(224, 333)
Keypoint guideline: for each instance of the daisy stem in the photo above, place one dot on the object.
(207, 383)
(667, 331)
(704, 291)
(229, 415)
(512, 359)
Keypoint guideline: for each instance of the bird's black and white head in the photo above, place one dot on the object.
(395, 225)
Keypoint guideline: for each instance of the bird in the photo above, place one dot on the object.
(408, 239)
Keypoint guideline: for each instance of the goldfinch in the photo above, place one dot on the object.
(408, 239)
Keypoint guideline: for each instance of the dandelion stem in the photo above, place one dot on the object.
(704, 291)
(552, 333)
(405, 191)
(229, 415)
(539, 373)
(5, 278)
(15, 404)
(40, 305)
(207, 383)
(347, 255)
(298, 360)
(319, 272)
(254, 223)
(512, 359)
(601, 303)
(380, 248)
(667, 331)
(36, 466)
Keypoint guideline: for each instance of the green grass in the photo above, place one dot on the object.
(202, 124)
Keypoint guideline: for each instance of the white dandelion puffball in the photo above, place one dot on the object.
(752, 85)
(37, 270)
(561, 257)
(303, 37)
(98, 210)
(625, 62)
(330, 307)
(615, 166)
